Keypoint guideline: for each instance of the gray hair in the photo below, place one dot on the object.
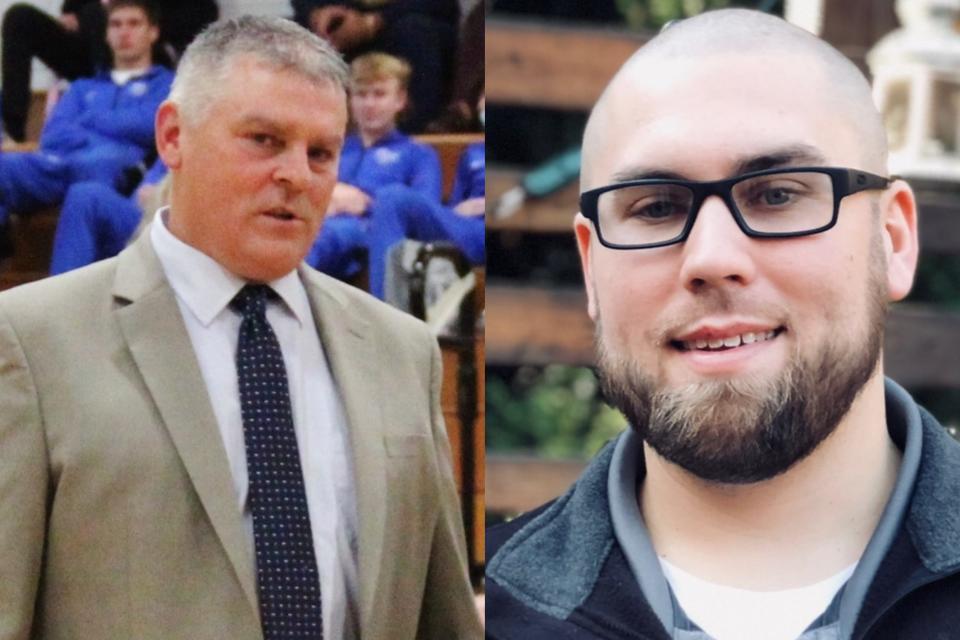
(277, 42)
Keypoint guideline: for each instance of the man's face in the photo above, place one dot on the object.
(130, 36)
(794, 310)
(376, 105)
(253, 177)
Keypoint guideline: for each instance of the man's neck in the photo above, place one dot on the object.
(792, 530)
(371, 137)
(139, 64)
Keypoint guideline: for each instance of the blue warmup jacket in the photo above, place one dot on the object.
(471, 176)
(96, 222)
(399, 212)
(96, 130)
(395, 159)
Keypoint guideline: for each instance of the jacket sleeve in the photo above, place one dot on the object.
(461, 181)
(134, 121)
(425, 175)
(24, 483)
(157, 172)
(62, 131)
(448, 606)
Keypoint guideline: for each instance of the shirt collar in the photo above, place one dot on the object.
(388, 138)
(205, 286)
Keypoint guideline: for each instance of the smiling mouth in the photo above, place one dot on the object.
(726, 343)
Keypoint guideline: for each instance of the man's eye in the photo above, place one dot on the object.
(319, 155)
(264, 139)
(655, 210)
(775, 196)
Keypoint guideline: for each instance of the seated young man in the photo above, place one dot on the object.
(376, 156)
(72, 45)
(400, 212)
(96, 222)
(100, 126)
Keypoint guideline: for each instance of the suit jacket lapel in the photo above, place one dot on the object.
(161, 348)
(353, 361)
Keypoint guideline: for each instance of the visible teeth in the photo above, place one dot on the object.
(729, 342)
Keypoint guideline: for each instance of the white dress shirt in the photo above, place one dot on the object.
(204, 290)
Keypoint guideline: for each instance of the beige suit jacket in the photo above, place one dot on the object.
(118, 517)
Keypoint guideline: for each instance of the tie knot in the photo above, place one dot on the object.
(252, 299)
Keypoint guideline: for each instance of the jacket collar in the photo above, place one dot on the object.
(552, 564)
(934, 518)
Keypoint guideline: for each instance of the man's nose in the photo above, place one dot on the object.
(717, 253)
(293, 168)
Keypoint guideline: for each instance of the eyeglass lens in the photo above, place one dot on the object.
(775, 203)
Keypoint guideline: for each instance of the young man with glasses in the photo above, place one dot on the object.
(740, 241)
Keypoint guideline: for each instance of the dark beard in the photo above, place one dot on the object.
(750, 429)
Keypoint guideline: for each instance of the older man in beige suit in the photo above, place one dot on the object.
(203, 438)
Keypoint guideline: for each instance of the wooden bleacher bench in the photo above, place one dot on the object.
(540, 65)
(449, 146)
(462, 394)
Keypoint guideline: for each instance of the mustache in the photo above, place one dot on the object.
(716, 302)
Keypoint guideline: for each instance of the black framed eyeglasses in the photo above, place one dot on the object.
(774, 203)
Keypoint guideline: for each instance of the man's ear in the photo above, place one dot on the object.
(900, 238)
(583, 229)
(168, 134)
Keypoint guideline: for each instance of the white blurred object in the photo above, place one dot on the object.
(234, 8)
(916, 85)
(806, 14)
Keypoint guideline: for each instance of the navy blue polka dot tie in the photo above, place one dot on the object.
(289, 583)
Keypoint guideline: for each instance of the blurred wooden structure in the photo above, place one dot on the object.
(567, 68)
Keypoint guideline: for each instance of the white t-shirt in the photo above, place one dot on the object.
(728, 613)
(122, 76)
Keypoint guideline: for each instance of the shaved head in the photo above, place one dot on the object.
(717, 348)
(741, 39)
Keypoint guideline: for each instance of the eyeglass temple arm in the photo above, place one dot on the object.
(858, 181)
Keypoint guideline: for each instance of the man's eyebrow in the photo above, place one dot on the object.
(255, 120)
(271, 126)
(631, 174)
(791, 156)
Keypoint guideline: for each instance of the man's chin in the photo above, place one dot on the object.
(747, 428)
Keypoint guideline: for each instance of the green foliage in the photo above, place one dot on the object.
(553, 412)
(653, 14)
(938, 281)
